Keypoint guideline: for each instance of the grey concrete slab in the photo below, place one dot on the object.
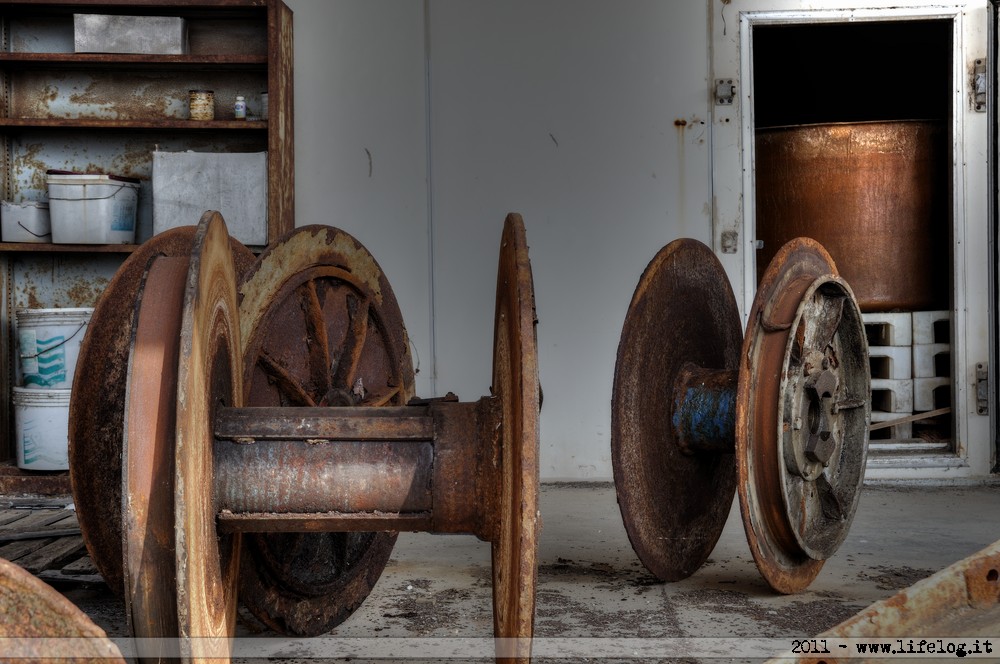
(591, 585)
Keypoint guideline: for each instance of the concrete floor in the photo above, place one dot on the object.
(591, 585)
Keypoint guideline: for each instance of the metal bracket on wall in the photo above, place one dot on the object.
(725, 91)
(730, 242)
(979, 85)
(982, 389)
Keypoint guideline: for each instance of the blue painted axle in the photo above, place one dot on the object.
(704, 410)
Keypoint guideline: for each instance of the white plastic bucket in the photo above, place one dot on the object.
(41, 426)
(25, 222)
(92, 209)
(48, 345)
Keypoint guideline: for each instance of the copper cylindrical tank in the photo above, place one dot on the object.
(877, 195)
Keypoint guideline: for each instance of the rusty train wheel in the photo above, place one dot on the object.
(40, 625)
(180, 576)
(208, 377)
(148, 449)
(674, 504)
(515, 381)
(802, 415)
(320, 327)
(97, 407)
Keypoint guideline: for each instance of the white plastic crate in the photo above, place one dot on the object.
(898, 360)
(924, 364)
(888, 329)
(925, 330)
(923, 392)
(900, 394)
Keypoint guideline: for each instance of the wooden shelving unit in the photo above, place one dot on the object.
(108, 112)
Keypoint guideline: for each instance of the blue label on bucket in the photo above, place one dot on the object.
(43, 360)
(124, 215)
(37, 448)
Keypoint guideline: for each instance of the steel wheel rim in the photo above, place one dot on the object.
(674, 505)
(148, 450)
(208, 377)
(515, 381)
(97, 406)
(794, 273)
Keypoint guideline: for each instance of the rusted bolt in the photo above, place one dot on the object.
(820, 448)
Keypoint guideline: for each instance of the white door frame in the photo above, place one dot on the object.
(731, 25)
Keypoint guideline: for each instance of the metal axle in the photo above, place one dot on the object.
(704, 410)
(422, 468)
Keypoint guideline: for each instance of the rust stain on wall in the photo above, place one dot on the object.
(28, 163)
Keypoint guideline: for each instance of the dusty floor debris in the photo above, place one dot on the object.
(592, 585)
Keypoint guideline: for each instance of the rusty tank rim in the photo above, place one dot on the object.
(875, 193)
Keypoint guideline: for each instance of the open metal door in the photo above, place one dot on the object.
(969, 258)
(994, 210)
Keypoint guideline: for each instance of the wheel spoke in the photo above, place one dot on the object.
(373, 399)
(354, 343)
(286, 383)
(319, 348)
(831, 504)
(827, 322)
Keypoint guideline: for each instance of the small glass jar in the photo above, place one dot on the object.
(240, 108)
(201, 104)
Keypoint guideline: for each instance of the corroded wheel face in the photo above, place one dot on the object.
(148, 451)
(208, 378)
(97, 407)
(321, 327)
(802, 416)
(41, 625)
(515, 382)
(674, 503)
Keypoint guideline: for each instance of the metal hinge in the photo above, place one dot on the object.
(725, 91)
(979, 85)
(982, 389)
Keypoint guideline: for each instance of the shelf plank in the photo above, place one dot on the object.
(164, 123)
(45, 247)
(137, 6)
(134, 59)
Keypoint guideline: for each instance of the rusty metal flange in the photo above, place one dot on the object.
(320, 326)
(148, 451)
(208, 377)
(802, 415)
(97, 407)
(180, 574)
(674, 502)
(515, 382)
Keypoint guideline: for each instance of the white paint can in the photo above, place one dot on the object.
(48, 345)
(41, 426)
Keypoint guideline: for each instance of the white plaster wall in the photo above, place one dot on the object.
(589, 117)
(360, 90)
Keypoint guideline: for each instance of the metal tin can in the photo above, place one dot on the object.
(201, 104)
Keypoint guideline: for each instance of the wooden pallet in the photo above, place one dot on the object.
(44, 538)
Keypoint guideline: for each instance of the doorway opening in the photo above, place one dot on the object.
(853, 125)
